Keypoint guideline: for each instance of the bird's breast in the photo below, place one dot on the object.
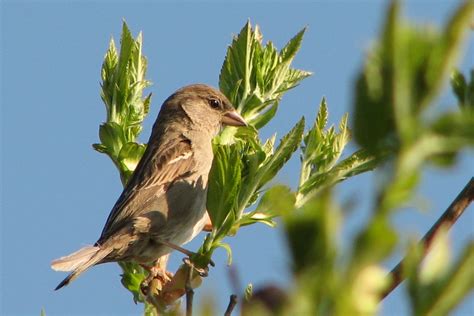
(186, 204)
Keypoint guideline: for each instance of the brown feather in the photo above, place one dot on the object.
(152, 175)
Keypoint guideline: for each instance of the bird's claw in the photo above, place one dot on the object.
(155, 280)
(203, 272)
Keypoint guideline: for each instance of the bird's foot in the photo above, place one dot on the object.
(184, 251)
(203, 272)
(156, 279)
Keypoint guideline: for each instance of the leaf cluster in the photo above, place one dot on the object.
(320, 154)
(123, 82)
(403, 75)
(255, 76)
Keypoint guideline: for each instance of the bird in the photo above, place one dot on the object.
(163, 205)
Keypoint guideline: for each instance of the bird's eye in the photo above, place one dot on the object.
(214, 103)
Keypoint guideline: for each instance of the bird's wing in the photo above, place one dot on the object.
(157, 168)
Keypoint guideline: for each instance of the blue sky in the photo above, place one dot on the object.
(56, 192)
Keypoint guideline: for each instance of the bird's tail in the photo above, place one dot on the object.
(79, 262)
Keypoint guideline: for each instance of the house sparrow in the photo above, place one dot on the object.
(164, 203)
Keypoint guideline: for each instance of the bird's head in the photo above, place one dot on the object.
(204, 107)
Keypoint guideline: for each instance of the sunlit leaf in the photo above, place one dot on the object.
(228, 250)
(288, 145)
(223, 183)
(112, 138)
(456, 285)
(255, 76)
(368, 285)
(437, 260)
(132, 278)
(129, 156)
(359, 162)
(277, 200)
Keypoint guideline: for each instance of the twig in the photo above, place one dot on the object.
(449, 217)
(231, 306)
(189, 291)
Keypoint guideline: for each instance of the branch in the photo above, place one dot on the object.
(231, 306)
(189, 291)
(449, 217)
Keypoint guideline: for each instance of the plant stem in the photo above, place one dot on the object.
(449, 217)
(189, 291)
(231, 306)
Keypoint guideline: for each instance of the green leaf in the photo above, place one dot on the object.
(375, 242)
(130, 155)
(256, 217)
(311, 233)
(359, 162)
(449, 134)
(237, 66)
(373, 116)
(437, 260)
(315, 135)
(226, 228)
(263, 118)
(146, 105)
(322, 148)
(112, 137)
(107, 76)
(457, 124)
(368, 284)
(100, 148)
(293, 78)
(224, 184)
(291, 48)
(123, 68)
(277, 200)
(342, 138)
(128, 159)
(459, 85)
(132, 278)
(149, 310)
(463, 90)
(288, 145)
(228, 250)
(456, 285)
(444, 55)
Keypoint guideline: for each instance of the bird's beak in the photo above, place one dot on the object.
(232, 118)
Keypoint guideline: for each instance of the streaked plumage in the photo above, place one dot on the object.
(165, 200)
